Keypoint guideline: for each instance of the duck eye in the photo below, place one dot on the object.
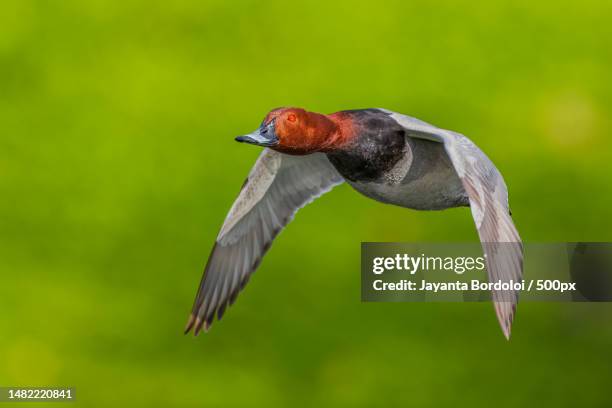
(291, 117)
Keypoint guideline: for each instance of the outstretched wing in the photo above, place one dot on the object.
(277, 186)
(489, 204)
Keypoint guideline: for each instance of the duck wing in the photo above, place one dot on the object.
(277, 186)
(488, 197)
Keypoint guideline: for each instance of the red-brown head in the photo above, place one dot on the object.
(294, 131)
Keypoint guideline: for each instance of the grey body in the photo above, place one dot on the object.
(385, 163)
(423, 180)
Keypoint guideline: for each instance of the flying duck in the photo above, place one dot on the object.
(384, 155)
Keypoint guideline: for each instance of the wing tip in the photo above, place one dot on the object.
(197, 324)
(507, 331)
(190, 323)
(505, 317)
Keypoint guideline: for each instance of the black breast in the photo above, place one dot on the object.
(378, 145)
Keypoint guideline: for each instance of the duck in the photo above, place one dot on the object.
(384, 155)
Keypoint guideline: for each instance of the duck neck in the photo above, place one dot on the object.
(321, 134)
(339, 135)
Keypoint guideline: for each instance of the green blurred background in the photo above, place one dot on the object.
(118, 164)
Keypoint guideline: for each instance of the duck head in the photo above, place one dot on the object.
(294, 131)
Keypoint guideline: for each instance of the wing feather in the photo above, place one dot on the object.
(488, 197)
(276, 188)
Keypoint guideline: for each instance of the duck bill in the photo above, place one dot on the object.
(264, 136)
